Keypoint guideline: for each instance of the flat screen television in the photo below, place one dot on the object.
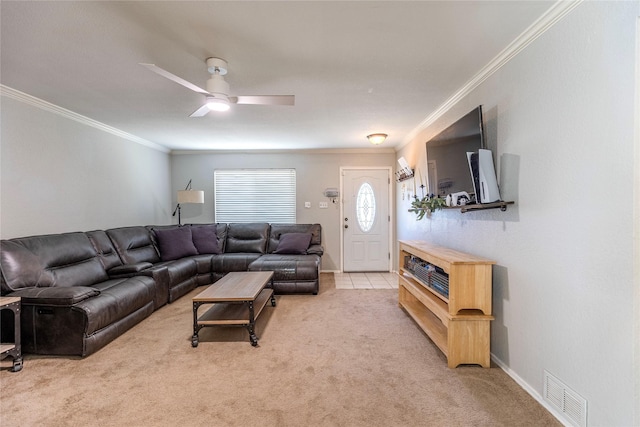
(447, 163)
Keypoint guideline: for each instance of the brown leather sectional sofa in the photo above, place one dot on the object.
(81, 290)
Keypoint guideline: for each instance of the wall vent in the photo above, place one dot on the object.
(569, 403)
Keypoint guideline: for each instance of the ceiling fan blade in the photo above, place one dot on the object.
(202, 111)
(173, 77)
(264, 99)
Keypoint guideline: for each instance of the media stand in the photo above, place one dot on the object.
(448, 294)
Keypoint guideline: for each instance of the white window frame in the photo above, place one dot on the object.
(255, 195)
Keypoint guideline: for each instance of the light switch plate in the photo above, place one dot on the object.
(324, 205)
(307, 205)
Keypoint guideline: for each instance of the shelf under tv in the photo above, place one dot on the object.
(459, 323)
(481, 206)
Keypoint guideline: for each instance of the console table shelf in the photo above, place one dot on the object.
(458, 324)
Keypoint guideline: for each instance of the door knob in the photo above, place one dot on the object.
(346, 226)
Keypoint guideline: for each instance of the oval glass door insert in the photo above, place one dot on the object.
(365, 207)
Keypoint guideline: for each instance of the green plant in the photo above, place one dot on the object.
(426, 205)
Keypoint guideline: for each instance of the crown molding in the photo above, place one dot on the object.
(386, 150)
(554, 14)
(52, 108)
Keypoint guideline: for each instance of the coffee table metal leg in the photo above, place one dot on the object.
(252, 324)
(196, 327)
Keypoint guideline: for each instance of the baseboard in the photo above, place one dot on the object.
(532, 392)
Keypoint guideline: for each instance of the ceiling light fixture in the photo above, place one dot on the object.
(377, 138)
(217, 104)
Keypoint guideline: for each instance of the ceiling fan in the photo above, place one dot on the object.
(217, 94)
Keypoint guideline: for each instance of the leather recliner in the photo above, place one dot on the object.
(70, 305)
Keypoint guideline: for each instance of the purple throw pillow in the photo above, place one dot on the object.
(175, 243)
(205, 239)
(293, 243)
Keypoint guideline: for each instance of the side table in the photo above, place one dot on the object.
(12, 349)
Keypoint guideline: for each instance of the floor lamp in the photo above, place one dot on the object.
(188, 195)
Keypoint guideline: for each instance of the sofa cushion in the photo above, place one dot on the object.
(175, 243)
(67, 259)
(134, 244)
(228, 262)
(247, 238)
(293, 243)
(104, 248)
(205, 239)
(117, 299)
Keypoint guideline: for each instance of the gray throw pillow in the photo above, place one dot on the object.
(205, 239)
(175, 243)
(293, 243)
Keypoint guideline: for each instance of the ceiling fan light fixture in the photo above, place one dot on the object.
(217, 66)
(217, 104)
(217, 89)
(377, 138)
(217, 84)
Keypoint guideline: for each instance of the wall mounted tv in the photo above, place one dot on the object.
(447, 163)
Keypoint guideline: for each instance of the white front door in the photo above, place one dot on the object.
(366, 221)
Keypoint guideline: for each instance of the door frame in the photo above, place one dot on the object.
(391, 212)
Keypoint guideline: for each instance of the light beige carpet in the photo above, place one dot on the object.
(341, 358)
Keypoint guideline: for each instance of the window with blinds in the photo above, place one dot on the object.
(255, 195)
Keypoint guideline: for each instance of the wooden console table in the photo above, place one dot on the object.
(456, 316)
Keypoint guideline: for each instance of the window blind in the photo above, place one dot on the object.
(255, 195)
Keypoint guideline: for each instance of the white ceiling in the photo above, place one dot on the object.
(355, 67)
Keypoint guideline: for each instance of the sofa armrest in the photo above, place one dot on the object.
(160, 274)
(129, 269)
(58, 296)
(315, 250)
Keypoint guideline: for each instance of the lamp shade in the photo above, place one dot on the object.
(377, 138)
(190, 196)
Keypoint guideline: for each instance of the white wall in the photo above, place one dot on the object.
(560, 119)
(315, 171)
(61, 175)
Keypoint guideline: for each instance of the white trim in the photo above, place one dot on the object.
(389, 170)
(292, 151)
(546, 21)
(52, 108)
(522, 383)
(636, 232)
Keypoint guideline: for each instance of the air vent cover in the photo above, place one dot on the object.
(566, 401)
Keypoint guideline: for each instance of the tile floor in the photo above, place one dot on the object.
(366, 280)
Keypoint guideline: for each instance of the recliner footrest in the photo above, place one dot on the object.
(288, 267)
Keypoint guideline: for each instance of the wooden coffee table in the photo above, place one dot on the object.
(237, 300)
